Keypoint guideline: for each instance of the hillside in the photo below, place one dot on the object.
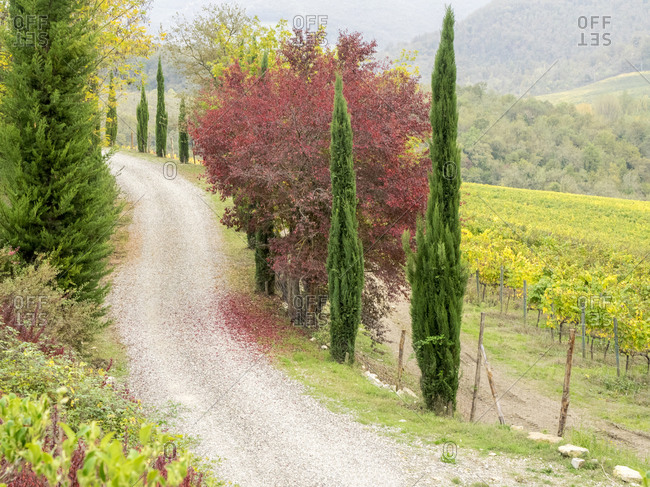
(532, 36)
(632, 84)
(604, 150)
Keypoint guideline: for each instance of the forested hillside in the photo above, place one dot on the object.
(601, 149)
(510, 44)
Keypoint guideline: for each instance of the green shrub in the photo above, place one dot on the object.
(25, 370)
(31, 441)
(32, 302)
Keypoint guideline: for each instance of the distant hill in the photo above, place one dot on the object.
(510, 44)
(635, 84)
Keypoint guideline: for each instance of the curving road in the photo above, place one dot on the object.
(260, 423)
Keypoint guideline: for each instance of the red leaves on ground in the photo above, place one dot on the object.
(249, 319)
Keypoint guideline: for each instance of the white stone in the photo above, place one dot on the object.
(409, 392)
(573, 451)
(577, 462)
(626, 474)
(533, 435)
(323, 347)
(517, 427)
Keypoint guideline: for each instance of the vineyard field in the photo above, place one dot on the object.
(572, 251)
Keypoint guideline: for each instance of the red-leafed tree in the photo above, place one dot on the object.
(265, 142)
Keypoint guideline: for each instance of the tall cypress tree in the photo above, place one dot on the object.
(344, 251)
(264, 275)
(142, 115)
(434, 270)
(161, 114)
(111, 113)
(183, 137)
(58, 194)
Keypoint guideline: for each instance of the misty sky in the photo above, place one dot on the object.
(388, 21)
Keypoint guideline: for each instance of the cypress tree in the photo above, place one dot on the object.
(142, 115)
(259, 239)
(58, 194)
(111, 113)
(434, 270)
(183, 137)
(344, 251)
(264, 275)
(161, 114)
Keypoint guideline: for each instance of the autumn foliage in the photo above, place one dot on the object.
(265, 142)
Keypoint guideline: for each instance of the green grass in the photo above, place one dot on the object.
(634, 84)
(593, 382)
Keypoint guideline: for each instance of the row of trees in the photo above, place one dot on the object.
(142, 116)
(265, 141)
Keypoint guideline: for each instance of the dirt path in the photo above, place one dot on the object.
(522, 405)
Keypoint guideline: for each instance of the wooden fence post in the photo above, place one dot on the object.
(400, 360)
(567, 382)
(477, 377)
(525, 302)
(478, 291)
(492, 389)
(501, 289)
(582, 322)
(618, 359)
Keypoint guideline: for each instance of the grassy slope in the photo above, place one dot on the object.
(635, 84)
(344, 389)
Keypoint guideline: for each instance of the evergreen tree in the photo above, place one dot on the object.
(434, 270)
(111, 113)
(344, 251)
(142, 115)
(264, 275)
(161, 114)
(183, 137)
(265, 63)
(58, 194)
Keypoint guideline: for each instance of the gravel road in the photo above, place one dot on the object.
(262, 425)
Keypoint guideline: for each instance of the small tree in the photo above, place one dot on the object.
(434, 270)
(142, 114)
(161, 114)
(344, 251)
(111, 113)
(183, 137)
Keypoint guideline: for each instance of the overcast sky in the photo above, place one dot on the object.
(387, 21)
